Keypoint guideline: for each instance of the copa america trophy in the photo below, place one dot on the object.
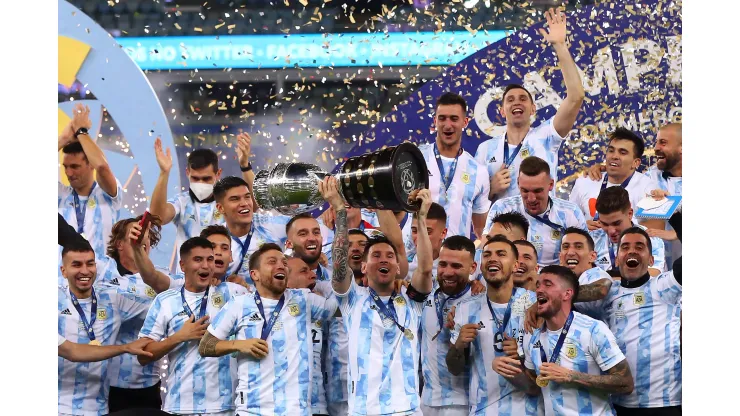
(377, 180)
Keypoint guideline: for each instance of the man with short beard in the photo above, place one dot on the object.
(443, 393)
(491, 326)
(304, 238)
(380, 321)
(273, 338)
(652, 346)
(573, 358)
(357, 242)
(525, 275)
(577, 253)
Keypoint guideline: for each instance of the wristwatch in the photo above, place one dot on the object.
(81, 130)
(246, 168)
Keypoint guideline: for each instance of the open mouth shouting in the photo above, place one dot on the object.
(632, 262)
(521, 270)
(448, 281)
(279, 275)
(219, 263)
(517, 111)
(542, 302)
(356, 257)
(204, 276)
(572, 262)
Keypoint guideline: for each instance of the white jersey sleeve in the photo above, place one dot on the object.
(481, 203)
(61, 340)
(155, 324)
(224, 324)
(604, 348)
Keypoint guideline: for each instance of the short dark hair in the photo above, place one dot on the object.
(118, 233)
(73, 149)
(194, 242)
(499, 238)
(201, 158)
(512, 219)
(638, 230)
(77, 245)
(565, 274)
(459, 243)
(296, 218)
(223, 185)
(533, 166)
(378, 240)
(450, 98)
(613, 199)
(357, 231)
(254, 259)
(624, 134)
(576, 230)
(436, 212)
(516, 87)
(215, 229)
(525, 243)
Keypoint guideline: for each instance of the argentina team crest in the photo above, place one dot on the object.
(217, 300)
(638, 299)
(102, 314)
(150, 292)
(294, 309)
(571, 351)
(465, 178)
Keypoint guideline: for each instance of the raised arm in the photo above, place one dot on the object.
(389, 226)
(566, 114)
(479, 221)
(243, 149)
(93, 153)
(341, 278)
(85, 353)
(158, 205)
(593, 291)
(66, 234)
(151, 276)
(421, 280)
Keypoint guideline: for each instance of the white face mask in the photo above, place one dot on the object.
(201, 190)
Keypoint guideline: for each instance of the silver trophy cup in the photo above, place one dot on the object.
(377, 180)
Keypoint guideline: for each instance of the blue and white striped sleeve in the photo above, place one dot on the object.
(224, 324)
(604, 348)
(155, 323)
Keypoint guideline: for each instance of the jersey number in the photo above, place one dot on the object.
(315, 335)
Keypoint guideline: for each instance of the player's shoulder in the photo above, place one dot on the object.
(510, 203)
(544, 127)
(593, 274)
(594, 326)
(585, 181)
(296, 294)
(168, 295)
(563, 204)
(424, 146)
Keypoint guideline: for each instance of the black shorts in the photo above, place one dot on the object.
(123, 399)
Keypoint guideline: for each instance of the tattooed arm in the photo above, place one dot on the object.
(341, 278)
(594, 291)
(390, 227)
(618, 379)
(211, 346)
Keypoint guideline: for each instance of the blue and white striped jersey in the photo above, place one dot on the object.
(408, 242)
(674, 186)
(646, 322)
(545, 238)
(491, 393)
(541, 141)
(194, 384)
(269, 227)
(101, 212)
(441, 388)
(125, 371)
(83, 387)
(281, 383)
(586, 190)
(468, 191)
(336, 357)
(190, 219)
(383, 363)
(589, 348)
(602, 246)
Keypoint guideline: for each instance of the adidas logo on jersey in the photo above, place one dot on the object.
(428, 302)
(537, 344)
(114, 281)
(66, 312)
(493, 159)
(255, 317)
(603, 260)
(480, 325)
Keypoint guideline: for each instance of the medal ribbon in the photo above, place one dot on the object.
(81, 209)
(543, 219)
(244, 247)
(509, 160)
(203, 303)
(558, 345)
(387, 311)
(612, 256)
(447, 178)
(498, 333)
(93, 313)
(440, 307)
(269, 323)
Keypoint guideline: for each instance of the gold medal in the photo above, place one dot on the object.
(95, 342)
(409, 335)
(541, 381)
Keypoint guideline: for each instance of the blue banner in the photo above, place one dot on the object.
(630, 61)
(305, 51)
